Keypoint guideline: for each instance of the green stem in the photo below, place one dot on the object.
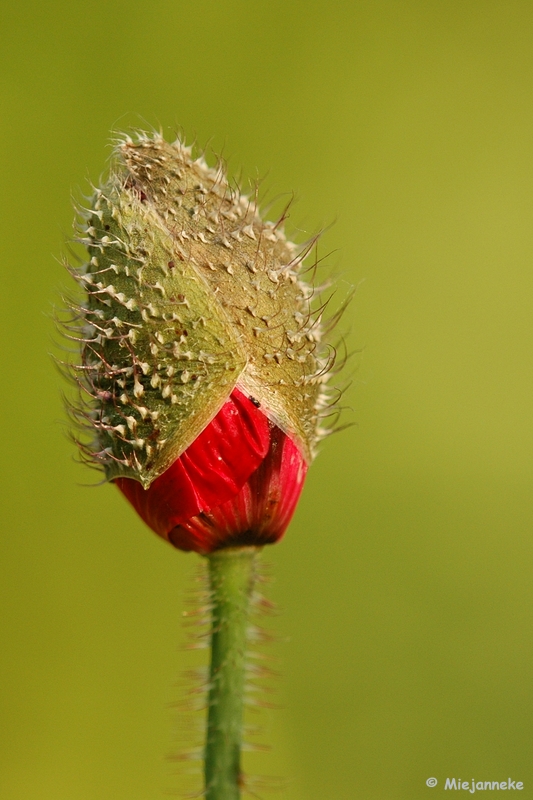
(231, 574)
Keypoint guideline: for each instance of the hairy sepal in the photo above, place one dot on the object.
(164, 357)
(190, 294)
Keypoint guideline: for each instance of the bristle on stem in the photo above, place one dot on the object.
(232, 575)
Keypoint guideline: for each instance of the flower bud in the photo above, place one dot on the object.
(202, 376)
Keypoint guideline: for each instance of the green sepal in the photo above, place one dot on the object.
(165, 357)
(190, 293)
(255, 272)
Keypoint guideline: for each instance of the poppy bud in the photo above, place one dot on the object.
(202, 375)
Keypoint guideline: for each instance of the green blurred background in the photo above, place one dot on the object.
(406, 577)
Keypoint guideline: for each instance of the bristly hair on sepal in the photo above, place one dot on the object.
(188, 295)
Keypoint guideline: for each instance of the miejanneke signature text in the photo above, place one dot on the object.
(482, 786)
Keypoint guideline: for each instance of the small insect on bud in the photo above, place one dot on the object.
(202, 375)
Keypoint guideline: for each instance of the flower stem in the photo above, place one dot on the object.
(231, 575)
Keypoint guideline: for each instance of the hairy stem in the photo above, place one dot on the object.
(231, 574)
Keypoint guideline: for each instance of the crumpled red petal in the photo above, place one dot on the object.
(211, 471)
(259, 513)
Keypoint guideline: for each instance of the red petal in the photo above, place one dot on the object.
(260, 513)
(209, 472)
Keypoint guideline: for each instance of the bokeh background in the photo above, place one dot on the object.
(405, 581)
